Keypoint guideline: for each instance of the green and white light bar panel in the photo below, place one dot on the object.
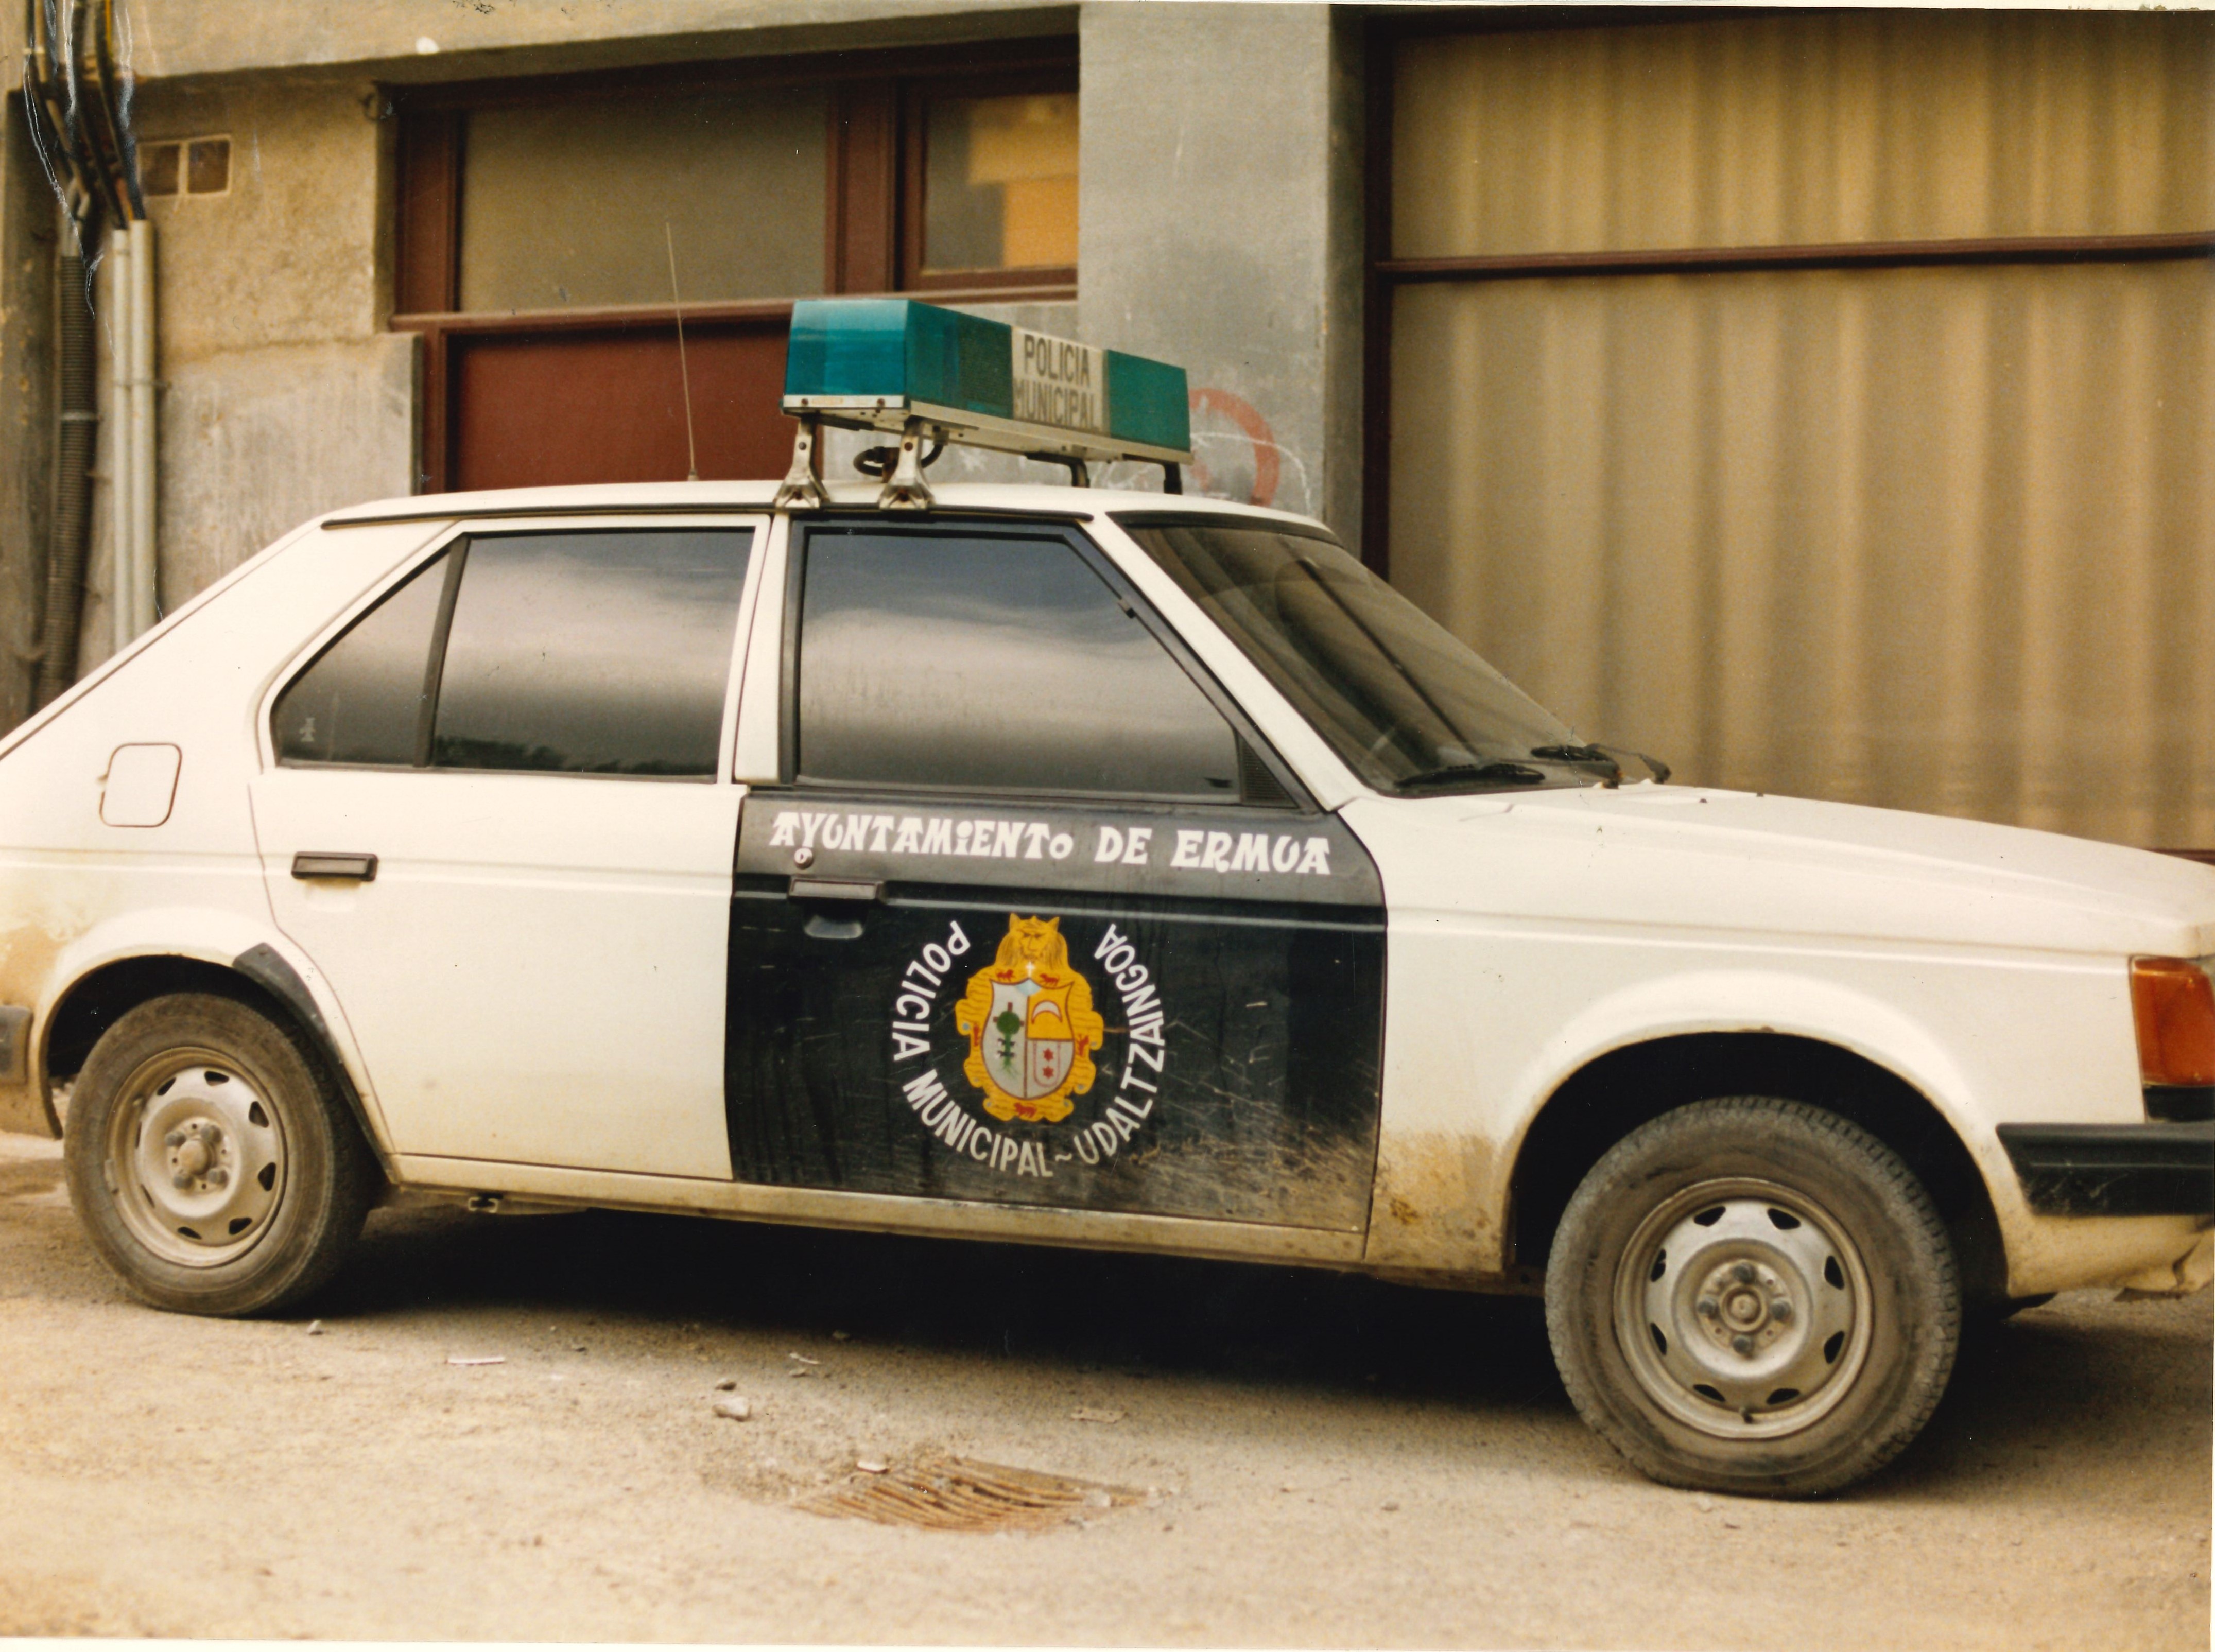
(881, 364)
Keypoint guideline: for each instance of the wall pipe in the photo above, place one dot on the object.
(122, 568)
(78, 100)
(146, 594)
(64, 616)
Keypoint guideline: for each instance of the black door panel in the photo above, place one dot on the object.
(1223, 1026)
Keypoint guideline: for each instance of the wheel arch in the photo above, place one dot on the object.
(260, 977)
(1614, 1093)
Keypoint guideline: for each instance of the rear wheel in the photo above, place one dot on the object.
(211, 1161)
(1753, 1295)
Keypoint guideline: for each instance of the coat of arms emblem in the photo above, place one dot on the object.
(1030, 1024)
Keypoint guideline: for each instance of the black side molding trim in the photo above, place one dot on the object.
(14, 1044)
(267, 969)
(2114, 1169)
(2179, 1104)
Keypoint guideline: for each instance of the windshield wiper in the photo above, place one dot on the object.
(1612, 756)
(1576, 755)
(1510, 774)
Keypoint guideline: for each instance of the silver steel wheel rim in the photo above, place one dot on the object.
(1743, 1308)
(196, 1158)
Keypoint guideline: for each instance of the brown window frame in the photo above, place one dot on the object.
(873, 230)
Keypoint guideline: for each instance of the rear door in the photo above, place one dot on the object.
(1034, 916)
(498, 820)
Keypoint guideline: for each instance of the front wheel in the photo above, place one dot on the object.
(1753, 1295)
(210, 1159)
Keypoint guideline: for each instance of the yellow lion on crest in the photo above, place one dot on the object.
(1030, 1024)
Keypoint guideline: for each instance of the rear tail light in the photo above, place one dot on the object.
(2174, 1004)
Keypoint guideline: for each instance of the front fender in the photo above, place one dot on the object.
(1783, 1001)
(1744, 1000)
(1444, 1182)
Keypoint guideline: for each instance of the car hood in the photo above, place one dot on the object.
(1684, 858)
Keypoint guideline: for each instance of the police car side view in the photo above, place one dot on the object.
(1066, 866)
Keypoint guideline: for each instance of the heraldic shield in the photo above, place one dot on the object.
(1030, 1024)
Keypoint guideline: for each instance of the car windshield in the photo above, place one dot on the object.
(1407, 704)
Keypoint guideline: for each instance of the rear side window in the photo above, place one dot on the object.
(994, 664)
(365, 700)
(600, 653)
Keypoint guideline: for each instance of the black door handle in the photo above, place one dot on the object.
(354, 868)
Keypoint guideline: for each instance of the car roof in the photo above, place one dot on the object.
(674, 499)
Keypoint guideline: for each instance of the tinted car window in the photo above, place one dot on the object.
(362, 700)
(992, 663)
(597, 653)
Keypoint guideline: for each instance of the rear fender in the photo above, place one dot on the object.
(253, 951)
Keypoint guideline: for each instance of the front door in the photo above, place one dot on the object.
(1036, 919)
(498, 825)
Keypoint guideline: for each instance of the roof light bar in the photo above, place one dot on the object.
(926, 374)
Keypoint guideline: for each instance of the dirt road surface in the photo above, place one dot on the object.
(1333, 1461)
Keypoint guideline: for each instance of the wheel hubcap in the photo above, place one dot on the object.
(1743, 1308)
(197, 1159)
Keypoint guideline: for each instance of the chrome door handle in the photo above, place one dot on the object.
(835, 889)
(353, 868)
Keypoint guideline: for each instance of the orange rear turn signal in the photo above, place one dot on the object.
(2174, 1006)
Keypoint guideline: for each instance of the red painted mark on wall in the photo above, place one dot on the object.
(1259, 437)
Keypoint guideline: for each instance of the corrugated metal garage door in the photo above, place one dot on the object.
(1826, 403)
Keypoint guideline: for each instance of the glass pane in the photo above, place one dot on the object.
(564, 204)
(360, 701)
(1877, 124)
(992, 664)
(1401, 699)
(599, 653)
(1000, 182)
(1936, 539)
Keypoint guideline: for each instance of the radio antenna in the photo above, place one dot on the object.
(683, 369)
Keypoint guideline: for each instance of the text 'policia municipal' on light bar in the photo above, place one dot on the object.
(932, 375)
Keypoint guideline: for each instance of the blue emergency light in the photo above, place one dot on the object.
(926, 373)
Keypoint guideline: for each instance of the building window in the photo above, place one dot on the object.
(581, 203)
(774, 182)
(192, 166)
(999, 182)
(1807, 399)
(536, 221)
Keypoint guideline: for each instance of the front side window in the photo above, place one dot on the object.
(1408, 706)
(987, 664)
(590, 654)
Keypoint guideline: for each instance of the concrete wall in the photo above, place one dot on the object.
(1220, 227)
(280, 396)
(283, 397)
(439, 39)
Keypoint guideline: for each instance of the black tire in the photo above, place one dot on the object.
(211, 1160)
(1686, 1363)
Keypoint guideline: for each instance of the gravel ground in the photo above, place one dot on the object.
(1333, 1461)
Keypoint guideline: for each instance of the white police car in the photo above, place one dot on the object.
(1074, 867)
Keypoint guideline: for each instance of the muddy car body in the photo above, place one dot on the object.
(1049, 900)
